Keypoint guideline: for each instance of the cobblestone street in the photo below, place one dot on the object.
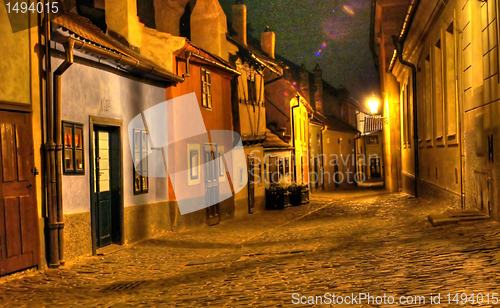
(339, 243)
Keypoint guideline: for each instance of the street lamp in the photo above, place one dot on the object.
(373, 103)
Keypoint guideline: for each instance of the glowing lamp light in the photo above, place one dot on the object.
(373, 104)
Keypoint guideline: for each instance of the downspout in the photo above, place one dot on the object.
(399, 44)
(69, 48)
(293, 140)
(323, 130)
(51, 226)
(188, 66)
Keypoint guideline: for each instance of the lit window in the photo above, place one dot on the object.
(141, 180)
(206, 88)
(73, 162)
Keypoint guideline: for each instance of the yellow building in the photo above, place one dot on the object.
(21, 219)
(443, 98)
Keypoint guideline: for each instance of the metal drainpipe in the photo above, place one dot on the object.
(68, 47)
(399, 44)
(293, 140)
(49, 150)
(323, 130)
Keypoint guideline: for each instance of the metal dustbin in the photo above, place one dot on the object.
(276, 197)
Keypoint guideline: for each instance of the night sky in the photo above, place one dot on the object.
(333, 33)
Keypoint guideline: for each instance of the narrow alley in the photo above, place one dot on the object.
(343, 243)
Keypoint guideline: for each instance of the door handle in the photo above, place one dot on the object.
(29, 186)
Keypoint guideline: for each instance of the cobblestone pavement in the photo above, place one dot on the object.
(345, 243)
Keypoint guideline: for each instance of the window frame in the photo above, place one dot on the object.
(194, 179)
(73, 126)
(143, 189)
(206, 88)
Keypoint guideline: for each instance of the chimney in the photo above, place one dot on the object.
(122, 20)
(239, 21)
(318, 88)
(268, 42)
(304, 80)
(168, 15)
(209, 27)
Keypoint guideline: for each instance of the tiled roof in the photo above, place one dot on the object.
(275, 142)
(76, 27)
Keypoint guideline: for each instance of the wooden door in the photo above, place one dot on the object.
(103, 187)
(18, 212)
(211, 183)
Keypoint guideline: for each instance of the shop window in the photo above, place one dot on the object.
(287, 166)
(206, 88)
(141, 179)
(73, 159)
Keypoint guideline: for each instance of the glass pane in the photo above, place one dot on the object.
(144, 154)
(78, 138)
(68, 136)
(79, 160)
(68, 160)
(137, 148)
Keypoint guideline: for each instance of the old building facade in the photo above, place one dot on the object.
(445, 96)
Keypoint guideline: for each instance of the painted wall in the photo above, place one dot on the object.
(458, 101)
(216, 118)
(315, 156)
(88, 91)
(15, 85)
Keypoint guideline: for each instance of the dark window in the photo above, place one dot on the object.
(141, 179)
(206, 88)
(73, 160)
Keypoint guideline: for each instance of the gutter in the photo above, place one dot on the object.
(124, 60)
(293, 138)
(217, 64)
(399, 45)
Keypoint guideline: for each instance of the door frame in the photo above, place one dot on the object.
(115, 124)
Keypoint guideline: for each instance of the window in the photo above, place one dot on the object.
(287, 166)
(428, 101)
(73, 162)
(273, 169)
(194, 158)
(451, 97)
(146, 12)
(206, 89)
(372, 140)
(252, 90)
(222, 168)
(140, 143)
(438, 92)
